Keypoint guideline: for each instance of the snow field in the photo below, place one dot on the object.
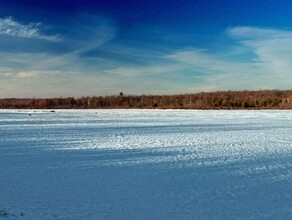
(146, 164)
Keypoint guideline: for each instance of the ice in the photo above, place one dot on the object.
(145, 164)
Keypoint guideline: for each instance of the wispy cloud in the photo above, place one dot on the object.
(258, 33)
(27, 74)
(11, 27)
(90, 32)
(96, 66)
(272, 48)
(266, 65)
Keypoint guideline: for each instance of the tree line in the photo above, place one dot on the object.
(265, 99)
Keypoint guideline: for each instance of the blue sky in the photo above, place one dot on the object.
(88, 47)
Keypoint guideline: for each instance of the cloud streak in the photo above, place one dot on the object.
(246, 32)
(13, 28)
(95, 65)
(272, 48)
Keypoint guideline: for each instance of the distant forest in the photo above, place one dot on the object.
(267, 99)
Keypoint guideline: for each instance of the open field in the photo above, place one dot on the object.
(145, 164)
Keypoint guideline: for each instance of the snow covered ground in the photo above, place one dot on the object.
(145, 164)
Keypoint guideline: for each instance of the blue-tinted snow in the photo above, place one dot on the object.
(146, 164)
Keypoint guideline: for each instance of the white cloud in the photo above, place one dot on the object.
(10, 27)
(208, 64)
(183, 70)
(144, 71)
(194, 70)
(273, 48)
(258, 33)
(90, 32)
(269, 67)
(214, 73)
(27, 74)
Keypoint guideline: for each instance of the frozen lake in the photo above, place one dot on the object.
(145, 164)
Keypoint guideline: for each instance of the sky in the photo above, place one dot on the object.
(62, 48)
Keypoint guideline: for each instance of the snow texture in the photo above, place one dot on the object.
(145, 164)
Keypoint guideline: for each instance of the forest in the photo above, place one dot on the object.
(263, 99)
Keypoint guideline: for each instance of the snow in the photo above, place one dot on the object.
(145, 164)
